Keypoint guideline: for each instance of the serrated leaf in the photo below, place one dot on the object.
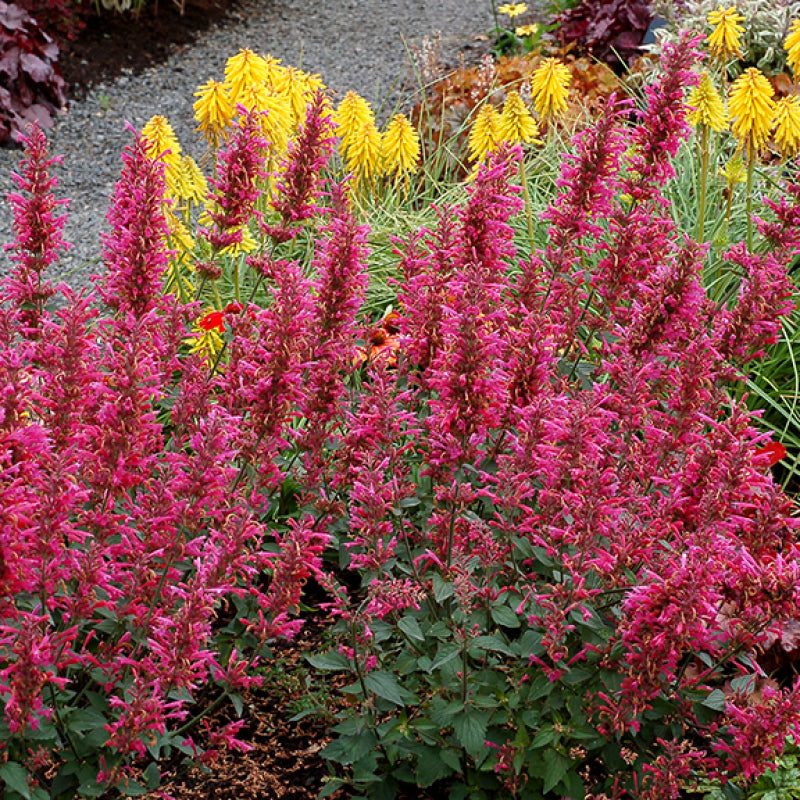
(495, 643)
(385, 685)
(410, 628)
(333, 660)
(504, 616)
(715, 700)
(431, 768)
(555, 768)
(445, 654)
(442, 589)
(152, 776)
(16, 778)
(131, 788)
(470, 730)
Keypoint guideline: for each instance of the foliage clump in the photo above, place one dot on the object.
(32, 89)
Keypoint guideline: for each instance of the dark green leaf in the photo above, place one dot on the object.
(504, 616)
(131, 788)
(431, 768)
(555, 768)
(410, 628)
(495, 643)
(332, 660)
(16, 778)
(442, 589)
(331, 785)
(470, 729)
(544, 736)
(152, 776)
(715, 700)
(385, 685)
(445, 653)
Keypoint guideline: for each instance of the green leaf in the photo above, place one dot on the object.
(442, 589)
(495, 643)
(131, 788)
(547, 734)
(470, 730)
(152, 776)
(385, 685)
(333, 660)
(410, 628)
(504, 616)
(555, 768)
(431, 768)
(445, 654)
(715, 700)
(16, 778)
(331, 785)
(238, 704)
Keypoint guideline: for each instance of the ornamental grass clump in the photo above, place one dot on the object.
(538, 509)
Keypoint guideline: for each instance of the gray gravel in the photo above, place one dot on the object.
(353, 44)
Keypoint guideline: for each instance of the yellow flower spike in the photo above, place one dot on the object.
(516, 122)
(513, 9)
(752, 108)
(293, 87)
(181, 239)
(364, 151)
(278, 123)
(192, 186)
(400, 146)
(214, 111)
(350, 117)
(485, 133)
(244, 71)
(162, 142)
(707, 107)
(792, 47)
(550, 87)
(724, 40)
(787, 125)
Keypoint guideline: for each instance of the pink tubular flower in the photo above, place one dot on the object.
(135, 251)
(236, 188)
(757, 730)
(298, 187)
(38, 230)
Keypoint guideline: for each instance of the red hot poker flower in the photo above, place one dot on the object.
(774, 451)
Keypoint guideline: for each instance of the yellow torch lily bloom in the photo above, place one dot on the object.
(244, 71)
(707, 107)
(726, 37)
(550, 87)
(516, 122)
(162, 142)
(214, 111)
(787, 125)
(792, 47)
(752, 108)
(400, 146)
(485, 133)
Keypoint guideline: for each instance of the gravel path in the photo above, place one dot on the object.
(353, 44)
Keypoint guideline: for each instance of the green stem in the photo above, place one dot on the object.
(701, 211)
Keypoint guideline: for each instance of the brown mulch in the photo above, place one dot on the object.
(284, 762)
(112, 42)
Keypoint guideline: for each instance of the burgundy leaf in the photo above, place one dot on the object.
(39, 71)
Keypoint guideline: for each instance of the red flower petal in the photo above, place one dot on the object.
(213, 321)
(775, 451)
